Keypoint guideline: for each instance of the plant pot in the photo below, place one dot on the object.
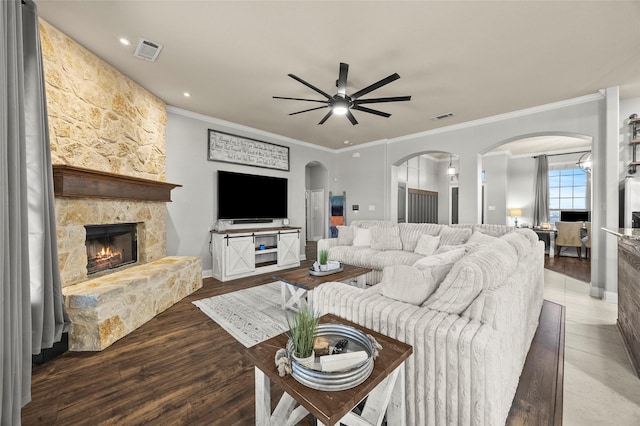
(307, 361)
(323, 268)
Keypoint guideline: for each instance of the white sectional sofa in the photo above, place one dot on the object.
(469, 310)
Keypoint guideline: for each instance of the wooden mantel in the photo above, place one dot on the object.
(76, 182)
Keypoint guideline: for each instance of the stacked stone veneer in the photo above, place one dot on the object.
(73, 214)
(100, 119)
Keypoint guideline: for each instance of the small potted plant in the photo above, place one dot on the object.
(302, 331)
(324, 257)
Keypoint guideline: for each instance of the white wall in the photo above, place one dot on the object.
(364, 177)
(364, 172)
(194, 208)
(497, 197)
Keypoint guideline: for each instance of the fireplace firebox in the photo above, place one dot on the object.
(110, 246)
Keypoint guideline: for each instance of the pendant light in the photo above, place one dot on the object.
(451, 171)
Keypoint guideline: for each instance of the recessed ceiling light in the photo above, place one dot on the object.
(187, 94)
(346, 142)
(124, 41)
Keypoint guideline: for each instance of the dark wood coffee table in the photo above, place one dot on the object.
(296, 284)
(329, 408)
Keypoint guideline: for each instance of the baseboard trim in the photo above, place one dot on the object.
(207, 273)
(610, 297)
(596, 291)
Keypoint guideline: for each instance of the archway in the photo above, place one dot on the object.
(423, 187)
(316, 201)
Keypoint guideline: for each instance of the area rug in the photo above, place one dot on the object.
(251, 315)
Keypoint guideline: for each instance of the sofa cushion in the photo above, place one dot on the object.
(461, 286)
(447, 258)
(362, 237)
(427, 245)
(366, 257)
(454, 236)
(518, 241)
(481, 237)
(409, 284)
(352, 255)
(411, 232)
(382, 259)
(345, 235)
(385, 238)
(484, 268)
(493, 230)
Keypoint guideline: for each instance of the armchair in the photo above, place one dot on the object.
(569, 236)
(587, 242)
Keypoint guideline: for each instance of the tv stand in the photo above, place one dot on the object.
(244, 252)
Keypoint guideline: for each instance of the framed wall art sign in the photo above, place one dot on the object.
(229, 148)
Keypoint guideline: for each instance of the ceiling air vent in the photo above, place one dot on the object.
(147, 50)
(442, 116)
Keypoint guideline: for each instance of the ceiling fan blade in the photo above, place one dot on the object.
(342, 79)
(307, 110)
(326, 117)
(309, 85)
(376, 100)
(374, 86)
(371, 111)
(300, 99)
(351, 118)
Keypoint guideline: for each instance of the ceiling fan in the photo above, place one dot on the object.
(341, 103)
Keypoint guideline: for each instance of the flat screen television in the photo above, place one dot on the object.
(575, 216)
(247, 197)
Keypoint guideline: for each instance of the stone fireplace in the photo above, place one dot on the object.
(88, 197)
(110, 246)
(111, 241)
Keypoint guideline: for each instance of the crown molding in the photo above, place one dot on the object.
(245, 129)
(501, 117)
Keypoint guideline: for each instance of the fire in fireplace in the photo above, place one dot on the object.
(110, 246)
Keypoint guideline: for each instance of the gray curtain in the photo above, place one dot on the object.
(32, 315)
(541, 191)
(48, 315)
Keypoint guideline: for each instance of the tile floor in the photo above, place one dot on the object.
(600, 387)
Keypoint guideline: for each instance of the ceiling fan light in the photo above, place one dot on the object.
(585, 162)
(340, 109)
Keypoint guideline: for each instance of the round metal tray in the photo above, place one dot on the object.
(336, 380)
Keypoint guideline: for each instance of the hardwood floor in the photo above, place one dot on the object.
(573, 267)
(180, 368)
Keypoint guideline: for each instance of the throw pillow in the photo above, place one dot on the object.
(480, 237)
(461, 286)
(407, 284)
(385, 238)
(446, 258)
(362, 237)
(345, 235)
(427, 245)
(454, 236)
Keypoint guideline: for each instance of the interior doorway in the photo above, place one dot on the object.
(316, 202)
(315, 214)
(454, 205)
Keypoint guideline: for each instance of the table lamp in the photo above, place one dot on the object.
(514, 213)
